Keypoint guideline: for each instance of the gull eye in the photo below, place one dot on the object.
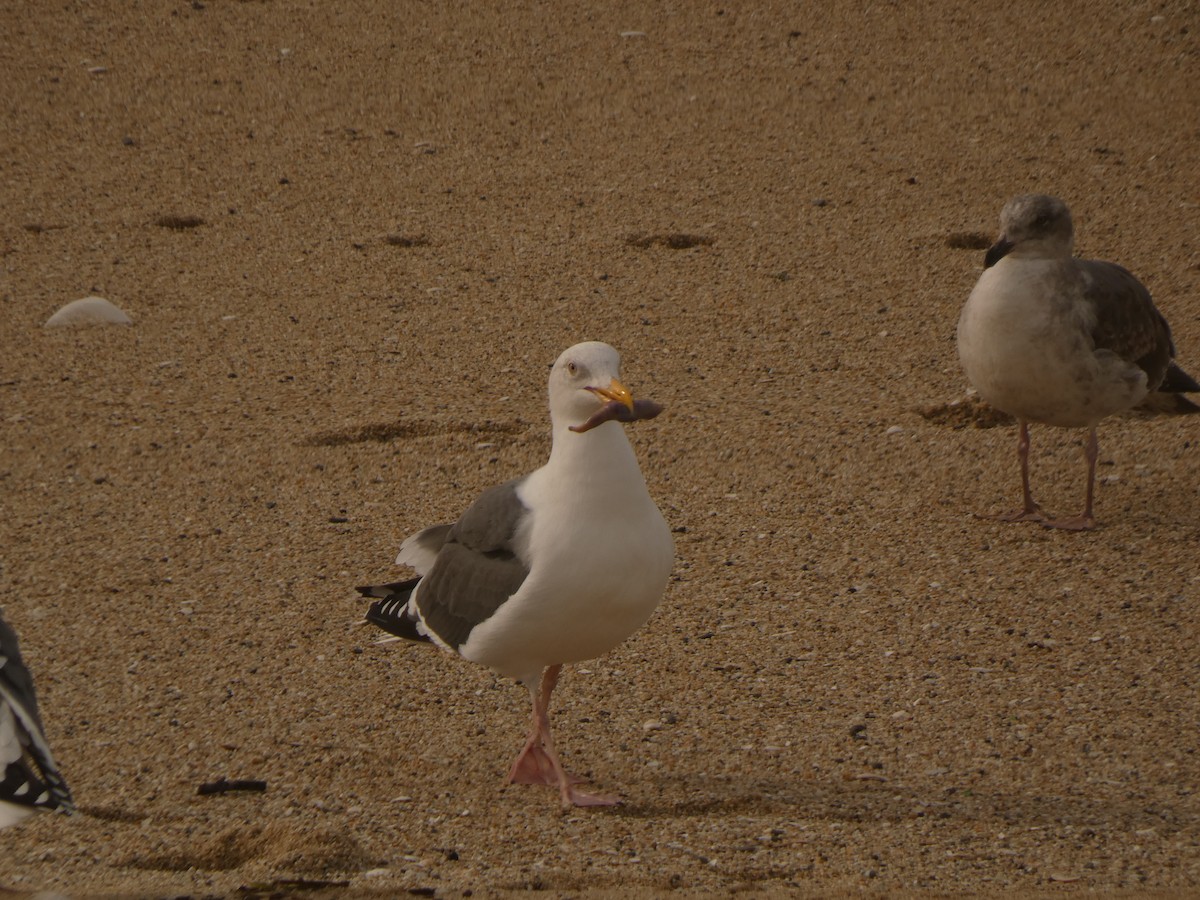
(572, 368)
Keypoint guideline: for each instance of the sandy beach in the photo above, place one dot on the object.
(352, 237)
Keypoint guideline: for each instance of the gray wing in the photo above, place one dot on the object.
(477, 568)
(419, 551)
(1127, 322)
(32, 778)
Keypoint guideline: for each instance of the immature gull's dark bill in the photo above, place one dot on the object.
(558, 566)
(1056, 340)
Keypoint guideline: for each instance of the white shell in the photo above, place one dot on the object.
(88, 311)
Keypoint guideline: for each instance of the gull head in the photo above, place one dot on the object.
(586, 389)
(1033, 225)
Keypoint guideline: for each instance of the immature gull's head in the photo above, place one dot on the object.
(1033, 225)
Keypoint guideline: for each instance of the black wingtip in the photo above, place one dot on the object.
(390, 609)
(384, 591)
(1177, 381)
(63, 801)
(32, 779)
(30, 782)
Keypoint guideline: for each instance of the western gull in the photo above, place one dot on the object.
(555, 567)
(29, 778)
(1056, 340)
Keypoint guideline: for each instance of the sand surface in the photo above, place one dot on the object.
(351, 237)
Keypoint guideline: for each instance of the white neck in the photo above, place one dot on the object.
(598, 460)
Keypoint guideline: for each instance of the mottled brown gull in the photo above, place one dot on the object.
(1057, 340)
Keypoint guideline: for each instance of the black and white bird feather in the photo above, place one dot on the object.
(558, 566)
(29, 777)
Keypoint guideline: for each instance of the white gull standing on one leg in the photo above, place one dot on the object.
(558, 566)
(1052, 339)
(29, 778)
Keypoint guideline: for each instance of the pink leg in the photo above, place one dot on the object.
(1030, 512)
(1085, 521)
(533, 765)
(538, 761)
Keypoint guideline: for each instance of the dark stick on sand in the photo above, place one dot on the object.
(222, 786)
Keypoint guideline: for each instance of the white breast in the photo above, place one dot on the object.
(600, 554)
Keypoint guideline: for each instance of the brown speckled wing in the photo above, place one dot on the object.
(477, 568)
(1127, 322)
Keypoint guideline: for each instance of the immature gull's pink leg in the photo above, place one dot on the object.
(1085, 521)
(1030, 512)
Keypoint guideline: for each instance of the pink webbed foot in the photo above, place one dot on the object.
(573, 797)
(534, 766)
(538, 761)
